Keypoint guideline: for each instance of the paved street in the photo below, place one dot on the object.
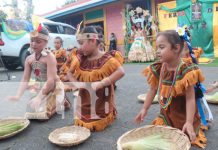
(35, 137)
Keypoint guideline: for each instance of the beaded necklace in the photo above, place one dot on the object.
(37, 58)
(170, 94)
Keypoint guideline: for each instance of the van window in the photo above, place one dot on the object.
(52, 28)
(69, 31)
(17, 25)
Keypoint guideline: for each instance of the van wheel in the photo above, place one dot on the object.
(10, 66)
(23, 56)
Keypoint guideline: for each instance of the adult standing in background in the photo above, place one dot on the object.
(113, 42)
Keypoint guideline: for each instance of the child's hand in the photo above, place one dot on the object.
(213, 87)
(13, 98)
(215, 84)
(35, 103)
(189, 129)
(97, 85)
(141, 115)
(210, 89)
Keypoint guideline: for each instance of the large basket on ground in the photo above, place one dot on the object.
(24, 122)
(178, 137)
(82, 134)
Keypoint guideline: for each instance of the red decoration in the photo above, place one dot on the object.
(39, 28)
(37, 72)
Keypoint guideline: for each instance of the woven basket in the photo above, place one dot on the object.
(82, 133)
(212, 101)
(142, 98)
(177, 136)
(204, 60)
(25, 122)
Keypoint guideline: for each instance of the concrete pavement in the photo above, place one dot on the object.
(35, 137)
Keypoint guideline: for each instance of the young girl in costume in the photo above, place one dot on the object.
(65, 69)
(174, 81)
(66, 66)
(48, 96)
(141, 50)
(60, 53)
(101, 70)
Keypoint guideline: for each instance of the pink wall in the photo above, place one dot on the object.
(114, 21)
(162, 1)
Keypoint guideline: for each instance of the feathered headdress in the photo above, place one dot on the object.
(85, 36)
(37, 27)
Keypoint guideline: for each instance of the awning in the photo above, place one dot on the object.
(77, 8)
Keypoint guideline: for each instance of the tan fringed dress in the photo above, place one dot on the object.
(84, 70)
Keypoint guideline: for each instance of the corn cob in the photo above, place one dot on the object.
(153, 142)
(5, 125)
(10, 128)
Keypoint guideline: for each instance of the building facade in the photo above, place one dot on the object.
(109, 14)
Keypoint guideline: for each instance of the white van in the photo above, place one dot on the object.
(14, 52)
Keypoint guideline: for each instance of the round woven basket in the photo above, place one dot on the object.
(204, 60)
(82, 133)
(25, 122)
(178, 137)
(142, 98)
(210, 100)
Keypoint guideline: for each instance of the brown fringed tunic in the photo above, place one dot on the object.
(84, 70)
(175, 114)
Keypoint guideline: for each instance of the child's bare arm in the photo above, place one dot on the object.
(190, 104)
(73, 81)
(149, 98)
(51, 74)
(70, 77)
(190, 112)
(118, 74)
(24, 82)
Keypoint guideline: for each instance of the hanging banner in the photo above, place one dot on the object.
(11, 34)
(199, 18)
(167, 20)
(215, 29)
(202, 19)
(196, 12)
